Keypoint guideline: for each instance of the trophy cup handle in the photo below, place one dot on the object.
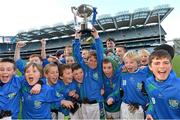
(74, 11)
(94, 16)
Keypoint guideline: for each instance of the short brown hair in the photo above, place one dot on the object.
(159, 54)
(8, 60)
(110, 39)
(92, 53)
(36, 55)
(62, 68)
(75, 66)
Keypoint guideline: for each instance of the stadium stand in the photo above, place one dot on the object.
(141, 29)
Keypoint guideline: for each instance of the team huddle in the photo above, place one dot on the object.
(99, 83)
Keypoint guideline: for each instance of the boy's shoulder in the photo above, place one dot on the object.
(46, 87)
(16, 80)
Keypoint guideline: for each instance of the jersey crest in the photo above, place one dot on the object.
(11, 95)
(37, 104)
(173, 103)
(151, 87)
(95, 76)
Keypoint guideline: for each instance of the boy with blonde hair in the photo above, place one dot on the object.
(144, 57)
(133, 100)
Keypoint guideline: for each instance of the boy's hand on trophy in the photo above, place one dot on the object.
(95, 33)
(78, 35)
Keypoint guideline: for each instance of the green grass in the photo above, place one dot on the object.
(176, 65)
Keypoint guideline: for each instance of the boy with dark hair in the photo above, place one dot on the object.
(69, 89)
(112, 81)
(162, 88)
(120, 51)
(110, 43)
(166, 47)
(78, 76)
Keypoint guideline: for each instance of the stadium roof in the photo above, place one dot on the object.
(124, 19)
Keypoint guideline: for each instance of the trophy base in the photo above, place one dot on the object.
(85, 31)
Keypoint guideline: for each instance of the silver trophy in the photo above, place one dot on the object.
(84, 12)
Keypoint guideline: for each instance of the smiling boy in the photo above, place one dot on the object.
(162, 88)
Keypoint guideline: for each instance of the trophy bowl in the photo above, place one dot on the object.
(84, 11)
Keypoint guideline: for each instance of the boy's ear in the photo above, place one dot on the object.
(15, 72)
(171, 66)
(60, 77)
(45, 75)
(150, 67)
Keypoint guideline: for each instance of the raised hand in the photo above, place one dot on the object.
(95, 33)
(78, 35)
(43, 42)
(149, 117)
(21, 44)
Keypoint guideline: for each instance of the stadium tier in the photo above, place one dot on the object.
(141, 29)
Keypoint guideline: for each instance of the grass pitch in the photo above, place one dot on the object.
(176, 65)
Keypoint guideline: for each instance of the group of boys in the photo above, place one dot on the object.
(162, 88)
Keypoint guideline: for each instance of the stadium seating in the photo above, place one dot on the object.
(134, 30)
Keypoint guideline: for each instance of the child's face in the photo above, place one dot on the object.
(144, 59)
(35, 60)
(131, 65)
(120, 52)
(161, 68)
(67, 76)
(92, 62)
(68, 51)
(78, 75)
(110, 45)
(6, 71)
(69, 60)
(85, 54)
(32, 75)
(108, 69)
(52, 75)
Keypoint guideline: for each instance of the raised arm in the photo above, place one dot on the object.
(76, 50)
(43, 49)
(99, 52)
(98, 46)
